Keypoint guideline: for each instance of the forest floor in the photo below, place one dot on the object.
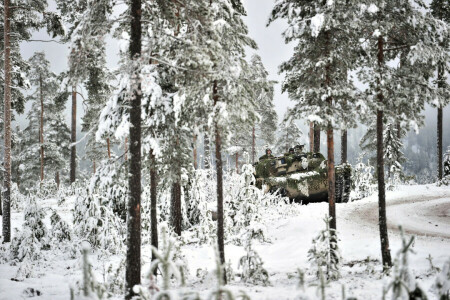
(422, 210)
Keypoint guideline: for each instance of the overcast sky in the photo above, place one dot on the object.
(272, 50)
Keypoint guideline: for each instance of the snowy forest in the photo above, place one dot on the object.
(225, 149)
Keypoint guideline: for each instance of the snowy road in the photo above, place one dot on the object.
(427, 215)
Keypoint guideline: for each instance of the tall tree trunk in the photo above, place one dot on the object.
(441, 84)
(287, 141)
(385, 251)
(316, 138)
(220, 230)
(195, 152)
(73, 152)
(126, 149)
(176, 216)
(237, 162)
(108, 147)
(207, 151)
(133, 263)
(311, 137)
(41, 128)
(7, 123)
(253, 145)
(94, 166)
(153, 204)
(330, 162)
(439, 141)
(57, 180)
(344, 147)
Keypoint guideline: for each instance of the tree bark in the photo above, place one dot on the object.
(73, 150)
(311, 137)
(195, 152)
(133, 263)
(207, 151)
(108, 147)
(220, 230)
(253, 145)
(330, 162)
(331, 178)
(384, 239)
(126, 149)
(41, 128)
(57, 180)
(316, 138)
(344, 147)
(7, 123)
(176, 208)
(441, 84)
(153, 204)
(176, 216)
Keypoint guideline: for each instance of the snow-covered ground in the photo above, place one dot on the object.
(422, 210)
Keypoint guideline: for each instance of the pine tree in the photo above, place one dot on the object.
(45, 141)
(415, 39)
(289, 135)
(19, 20)
(267, 125)
(324, 33)
(440, 9)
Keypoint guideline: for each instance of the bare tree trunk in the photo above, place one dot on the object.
(330, 163)
(7, 123)
(133, 262)
(237, 162)
(73, 152)
(441, 84)
(253, 145)
(176, 217)
(385, 251)
(220, 230)
(41, 128)
(287, 141)
(207, 151)
(195, 152)
(344, 147)
(57, 180)
(153, 204)
(316, 138)
(439, 141)
(126, 149)
(94, 166)
(311, 137)
(108, 146)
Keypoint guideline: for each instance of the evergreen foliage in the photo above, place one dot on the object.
(289, 135)
(252, 266)
(324, 254)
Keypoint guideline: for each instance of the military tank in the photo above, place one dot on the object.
(301, 176)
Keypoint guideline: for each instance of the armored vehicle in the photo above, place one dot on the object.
(301, 177)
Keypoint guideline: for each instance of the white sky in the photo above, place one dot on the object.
(272, 48)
